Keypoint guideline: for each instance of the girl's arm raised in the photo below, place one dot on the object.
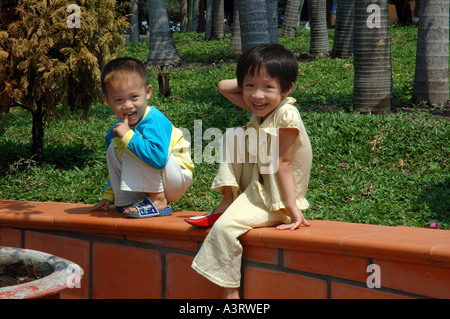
(231, 90)
(287, 138)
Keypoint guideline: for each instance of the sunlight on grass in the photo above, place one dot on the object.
(384, 169)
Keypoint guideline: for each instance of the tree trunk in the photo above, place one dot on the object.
(184, 18)
(195, 13)
(372, 57)
(272, 20)
(218, 24)
(235, 44)
(134, 21)
(431, 78)
(37, 147)
(318, 22)
(163, 52)
(343, 34)
(190, 15)
(291, 18)
(253, 21)
(208, 20)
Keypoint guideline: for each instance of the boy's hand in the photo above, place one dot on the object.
(103, 205)
(297, 219)
(121, 128)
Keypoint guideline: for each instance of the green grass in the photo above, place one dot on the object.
(384, 169)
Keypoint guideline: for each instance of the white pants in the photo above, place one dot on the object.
(131, 180)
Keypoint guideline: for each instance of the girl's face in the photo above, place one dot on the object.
(128, 98)
(262, 93)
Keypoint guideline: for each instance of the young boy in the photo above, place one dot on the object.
(149, 163)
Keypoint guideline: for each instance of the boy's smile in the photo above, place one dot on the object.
(128, 98)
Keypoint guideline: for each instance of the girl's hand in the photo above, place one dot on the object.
(230, 89)
(297, 219)
(287, 138)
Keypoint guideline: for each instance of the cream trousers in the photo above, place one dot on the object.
(219, 258)
(131, 180)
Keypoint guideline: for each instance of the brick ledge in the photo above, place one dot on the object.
(407, 244)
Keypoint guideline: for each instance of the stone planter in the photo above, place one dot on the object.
(57, 274)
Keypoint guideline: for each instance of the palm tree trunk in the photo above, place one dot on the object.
(218, 17)
(343, 34)
(134, 21)
(190, 15)
(272, 20)
(195, 14)
(184, 17)
(432, 66)
(372, 90)
(235, 44)
(208, 20)
(291, 17)
(254, 25)
(318, 21)
(163, 52)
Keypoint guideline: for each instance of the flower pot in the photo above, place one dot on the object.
(56, 274)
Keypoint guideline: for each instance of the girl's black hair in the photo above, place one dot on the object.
(275, 59)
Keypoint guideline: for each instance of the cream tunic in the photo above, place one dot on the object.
(258, 200)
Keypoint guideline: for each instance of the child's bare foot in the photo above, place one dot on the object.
(230, 293)
(227, 200)
(223, 206)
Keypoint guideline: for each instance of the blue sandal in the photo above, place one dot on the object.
(146, 209)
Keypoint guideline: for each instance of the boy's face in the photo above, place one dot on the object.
(262, 93)
(128, 97)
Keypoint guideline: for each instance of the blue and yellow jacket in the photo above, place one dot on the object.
(151, 142)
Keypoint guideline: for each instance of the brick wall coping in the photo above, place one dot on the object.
(407, 244)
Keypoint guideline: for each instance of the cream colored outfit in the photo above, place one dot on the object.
(258, 200)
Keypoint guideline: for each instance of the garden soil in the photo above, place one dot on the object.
(18, 273)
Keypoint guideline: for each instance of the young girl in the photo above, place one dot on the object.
(251, 196)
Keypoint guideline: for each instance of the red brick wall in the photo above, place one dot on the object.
(152, 258)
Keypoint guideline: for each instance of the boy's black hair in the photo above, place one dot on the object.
(124, 64)
(278, 62)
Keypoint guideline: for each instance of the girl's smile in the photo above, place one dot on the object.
(262, 93)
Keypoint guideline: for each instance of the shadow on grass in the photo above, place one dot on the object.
(435, 199)
(17, 157)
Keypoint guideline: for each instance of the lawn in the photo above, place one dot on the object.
(378, 169)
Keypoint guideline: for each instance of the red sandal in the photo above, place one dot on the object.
(204, 220)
